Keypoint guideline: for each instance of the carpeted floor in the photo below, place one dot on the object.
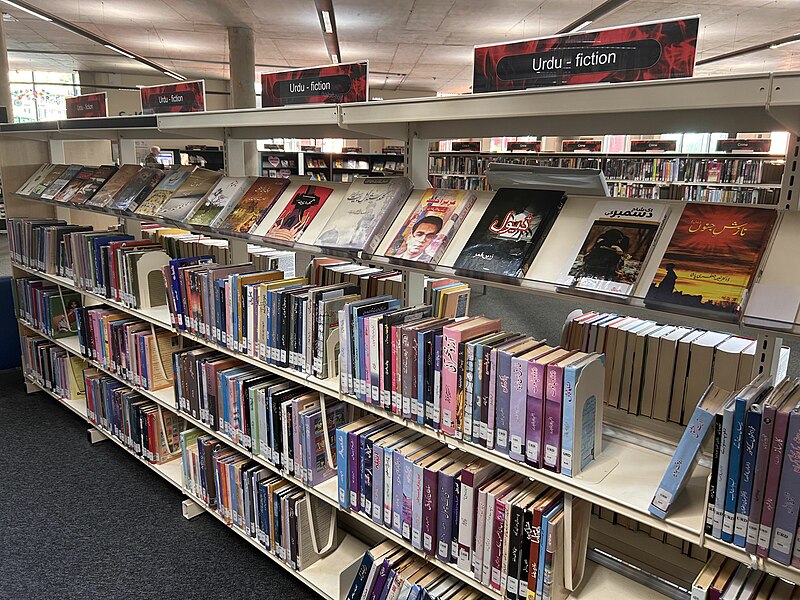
(83, 521)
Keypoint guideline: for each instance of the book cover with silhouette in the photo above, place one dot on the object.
(298, 213)
(428, 230)
(711, 259)
(220, 201)
(613, 251)
(510, 232)
(111, 188)
(173, 180)
(96, 181)
(254, 205)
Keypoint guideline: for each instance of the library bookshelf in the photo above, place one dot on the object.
(625, 476)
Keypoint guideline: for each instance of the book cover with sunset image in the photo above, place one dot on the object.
(711, 259)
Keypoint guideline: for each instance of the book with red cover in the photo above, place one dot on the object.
(254, 205)
(106, 194)
(298, 213)
(711, 259)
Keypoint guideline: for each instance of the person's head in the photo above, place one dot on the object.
(422, 234)
(614, 237)
(155, 150)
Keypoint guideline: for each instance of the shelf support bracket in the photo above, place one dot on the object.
(768, 356)
(790, 184)
(191, 509)
(96, 436)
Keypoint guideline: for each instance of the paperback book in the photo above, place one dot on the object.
(431, 226)
(299, 212)
(137, 189)
(616, 246)
(362, 218)
(189, 194)
(220, 201)
(164, 190)
(711, 259)
(107, 194)
(89, 188)
(510, 232)
(66, 194)
(254, 205)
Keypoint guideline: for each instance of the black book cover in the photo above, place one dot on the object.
(510, 232)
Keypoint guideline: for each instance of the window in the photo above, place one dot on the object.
(40, 95)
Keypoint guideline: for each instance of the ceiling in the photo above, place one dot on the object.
(411, 44)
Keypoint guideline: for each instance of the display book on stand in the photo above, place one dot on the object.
(585, 271)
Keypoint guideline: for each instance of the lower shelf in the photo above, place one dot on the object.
(765, 564)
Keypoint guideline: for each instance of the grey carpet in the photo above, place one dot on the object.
(83, 521)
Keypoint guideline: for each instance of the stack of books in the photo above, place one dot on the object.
(263, 506)
(52, 367)
(46, 307)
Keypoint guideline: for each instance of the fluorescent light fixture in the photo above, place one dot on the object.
(582, 25)
(782, 44)
(326, 19)
(174, 75)
(28, 10)
(119, 51)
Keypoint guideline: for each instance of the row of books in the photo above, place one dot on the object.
(742, 195)
(278, 514)
(694, 169)
(281, 421)
(658, 370)
(132, 349)
(723, 578)
(471, 380)
(52, 367)
(46, 306)
(457, 183)
(145, 428)
(464, 511)
(387, 571)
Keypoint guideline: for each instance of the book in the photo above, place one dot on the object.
(90, 187)
(220, 201)
(711, 260)
(685, 458)
(60, 182)
(137, 189)
(68, 191)
(430, 227)
(173, 180)
(298, 213)
(108, 193)
(619, 240)
(254, 205)
(35, 179)
(363, 217)
(189, 194)
(510, 232)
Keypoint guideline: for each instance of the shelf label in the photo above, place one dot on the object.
(87, 105)
(186, 96)
(646, 51)
(336, 84)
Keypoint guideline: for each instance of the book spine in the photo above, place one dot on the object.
(469, 391)
(477, 393)
(444, 525)
(497, 544)
(760, 476)
(712, 487)
(397, 492)
(405, 367)
(408, 498)
(388, 472)
(773, 480)
(430, 489)
(437, 381)
(568, 419)
(449, 379)
(513, 552)
(490, 407)
(419, 366)
(354, 484)
(417, 506)
(788, 498)
(518, 409)
(365, 474)
(377, 483)
(734, 466)
(502, 401)
(487, 385)
(552, 413)
(752, 430)
(397, 388)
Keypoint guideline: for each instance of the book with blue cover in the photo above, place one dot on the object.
(682, 464)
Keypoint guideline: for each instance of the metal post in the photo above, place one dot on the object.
(413, 288)
(417, 159)
(57, 153)
(790, 185)
(768, 355)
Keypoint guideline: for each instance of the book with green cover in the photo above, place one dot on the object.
(164, 190)
(189, 195)
(220, 201)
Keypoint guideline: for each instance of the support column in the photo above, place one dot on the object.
(242, 53)
(5, 86)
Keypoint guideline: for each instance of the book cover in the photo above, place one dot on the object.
(616, 246)
(106, 194)
(173, 180)
(787, 507)
(138, 188)
(298, 213)
(60, 182)
(189, 194)
(711, 259)
(81, 177)
(34, 180)
(89, 188)
(510, 232)
(220, 201)
(431, 226)
(46, 180)
(254, 205)
(362, 218)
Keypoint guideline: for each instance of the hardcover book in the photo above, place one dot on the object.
(138, 188)
(616, 246)
(193, 189)
(106, 194)
(35, 179)
(66, 194)
(46, 180)
(711, 259)
(510, 232)
(89, 188)
(60, 182)
(220, 201)
(299, 212)
(428, 230)
(362, 218)
(254, 205)
(164, 191)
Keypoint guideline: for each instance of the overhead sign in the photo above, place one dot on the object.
(657, 50)
(335, 84)
(186, 96)
(581, 145)
(654, 145)
(744, 145)
(87, 105)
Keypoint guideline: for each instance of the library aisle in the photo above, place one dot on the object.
(107, 526)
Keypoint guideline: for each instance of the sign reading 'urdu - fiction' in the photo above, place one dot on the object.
(186, 96)
(662, 50)
(335, 84)
(87, 105)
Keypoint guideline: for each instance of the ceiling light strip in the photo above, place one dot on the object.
(593, 15)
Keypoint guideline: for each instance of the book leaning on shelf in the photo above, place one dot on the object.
(723, 577)
(52, 367)
(284, 519)
(46, 307)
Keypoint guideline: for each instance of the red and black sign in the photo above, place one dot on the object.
(334, 84)
(466, 146)
(87, 105)
(186, 96)
(581, 145)
(662, 50)
(654, 145)
(524, 146)
(744, 145)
